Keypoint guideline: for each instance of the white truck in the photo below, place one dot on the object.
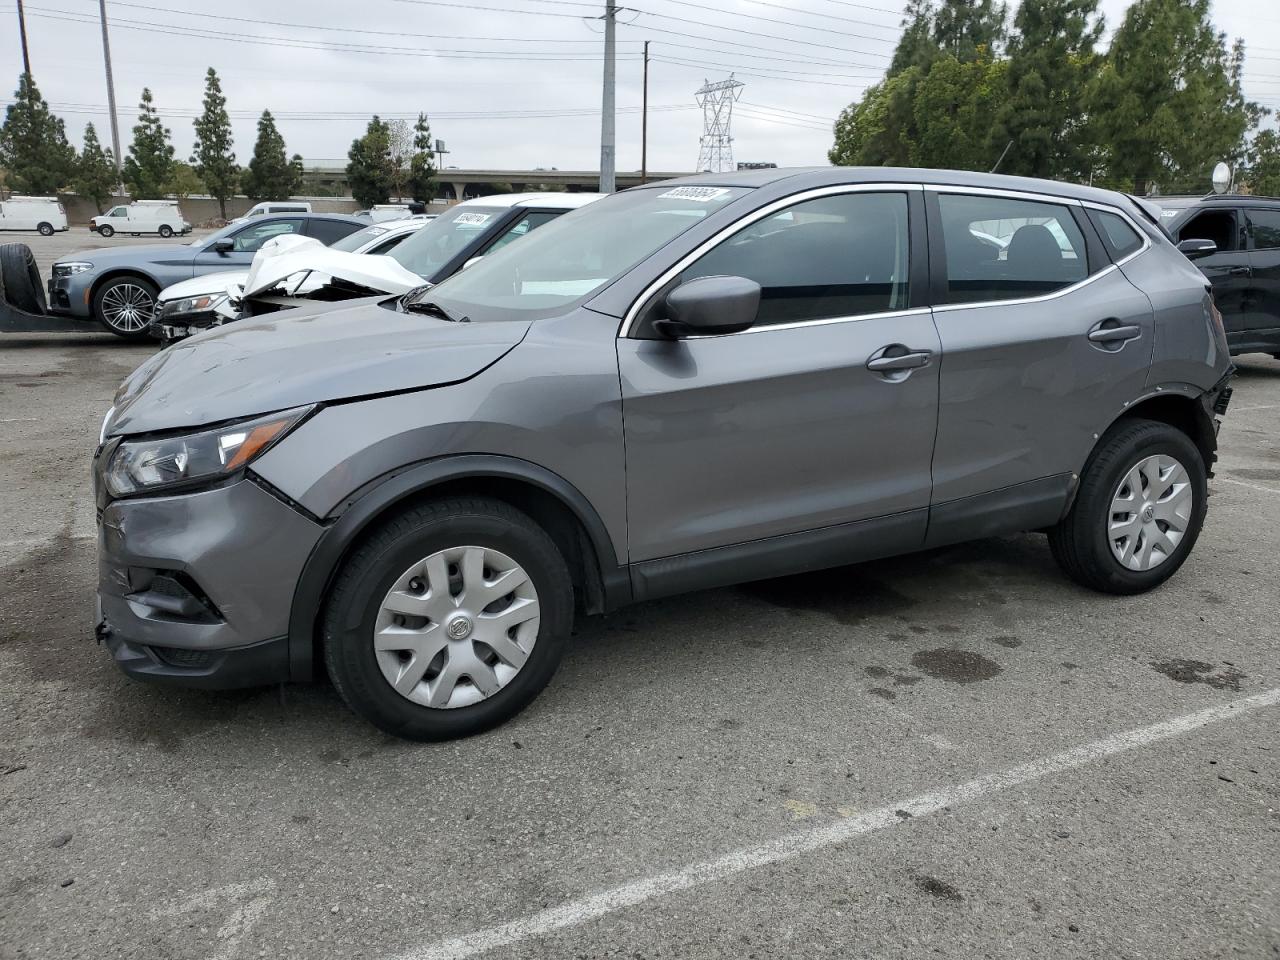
(44, 214)
(142, 216)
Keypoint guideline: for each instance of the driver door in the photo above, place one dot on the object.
(788, 446)
(245, 242)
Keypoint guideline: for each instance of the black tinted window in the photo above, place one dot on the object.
(1000, 249)
(327, 231)
(1266, 228)
(836, 256)
(1120, 238)
(1216, 225)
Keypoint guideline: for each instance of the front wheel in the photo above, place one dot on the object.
(125, 306)
(448, 620)
(106, 230)
(1138, 512)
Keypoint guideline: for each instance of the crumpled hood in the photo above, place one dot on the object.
(355, 349)
(211, 284)
(363, 269)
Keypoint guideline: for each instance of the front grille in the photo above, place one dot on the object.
(178, 657)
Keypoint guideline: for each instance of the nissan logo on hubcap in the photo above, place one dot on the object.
(459, 627)
(1148, 513)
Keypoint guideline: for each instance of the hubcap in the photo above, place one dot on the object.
(456, 627)
(127, 307)
(1150, 512)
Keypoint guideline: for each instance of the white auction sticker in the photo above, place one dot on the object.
(472, 219)
(698, 194)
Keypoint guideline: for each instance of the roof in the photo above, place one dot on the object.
(556, 201)
(805, 177)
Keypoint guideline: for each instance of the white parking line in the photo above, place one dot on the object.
(1242, 483)
(794, 845)
(20, 420)
(1259, 406)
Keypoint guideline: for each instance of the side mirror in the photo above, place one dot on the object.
(710, 305)
(224, 245)
(1194, 249)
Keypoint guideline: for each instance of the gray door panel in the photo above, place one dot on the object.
(775, 431)
(1024, 390)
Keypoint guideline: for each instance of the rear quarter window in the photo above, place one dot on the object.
(1118, 236)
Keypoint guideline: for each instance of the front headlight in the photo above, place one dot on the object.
(139, 466)
(202, 304)
(72, 268)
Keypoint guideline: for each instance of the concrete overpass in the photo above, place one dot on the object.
(457, 184)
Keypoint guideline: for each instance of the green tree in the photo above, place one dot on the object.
(150, 160)
(969, 29)
(33, 144)
(184, 181)
(916, 47)
(95, 176)
(270, 174)
(1051, 59)
(369, 164)
(422, 168)
(880, 129)
(1263, 171)
(214, 161)
(955, 107)
(1167, 102)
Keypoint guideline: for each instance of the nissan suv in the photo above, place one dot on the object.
(1235, 241)
(680, 386)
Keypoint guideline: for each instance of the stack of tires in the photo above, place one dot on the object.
(20, 285)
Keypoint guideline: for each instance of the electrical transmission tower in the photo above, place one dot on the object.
(715, 147)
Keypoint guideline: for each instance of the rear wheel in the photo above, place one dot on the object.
(166, 231)
(448, 620)
(46, 229)
(106, 230)
(21, 278)
(124, 306)
(1138, 512)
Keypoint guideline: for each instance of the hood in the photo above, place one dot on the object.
(227, 282)
(298, 357)
(105, 256)
(373, 272)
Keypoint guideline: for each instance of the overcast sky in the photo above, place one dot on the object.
(507, 83)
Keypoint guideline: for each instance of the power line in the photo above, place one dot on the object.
(774, 20)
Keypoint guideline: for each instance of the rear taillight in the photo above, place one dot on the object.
(1216, 314)
(62, 210)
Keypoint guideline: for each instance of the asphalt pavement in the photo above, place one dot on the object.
(956, 753)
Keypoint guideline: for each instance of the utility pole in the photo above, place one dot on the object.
(644, 121)
(608, 140)
(22, 30)
(111, 99)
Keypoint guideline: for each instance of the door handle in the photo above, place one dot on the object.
(905, 361)
(1239, 272)
(1111, 334)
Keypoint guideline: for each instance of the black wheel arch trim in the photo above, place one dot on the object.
(355, 513)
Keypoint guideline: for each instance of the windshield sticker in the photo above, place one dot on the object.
(697, 194)
(472, 219)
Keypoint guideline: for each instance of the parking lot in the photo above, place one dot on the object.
(954, 753)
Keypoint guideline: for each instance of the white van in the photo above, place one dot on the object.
(275, 206)
(142, 216)
(45, 214)
(382, 212)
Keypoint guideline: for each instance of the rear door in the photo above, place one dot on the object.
(1044, 342)
(1262, 317)
(821, 414)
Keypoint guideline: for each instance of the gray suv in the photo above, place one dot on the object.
(681, 386)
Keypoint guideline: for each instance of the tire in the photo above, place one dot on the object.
(106, 231)
(46, 229)
(1086, 541)
(166, 231)
(123, 305)
(444, 537)
(21, 278)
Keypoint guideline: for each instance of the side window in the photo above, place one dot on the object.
(1216, 225)
(388, 245)
(837, 256)
(251, 239)
(330, 231)
(1118, 237)
(1004, 249)
(525, 224)
(1266, 229)
(119, 212)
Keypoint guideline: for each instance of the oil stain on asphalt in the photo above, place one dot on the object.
(956, 666)
(1197, 671)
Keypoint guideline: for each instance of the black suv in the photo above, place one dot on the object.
(1243, 263)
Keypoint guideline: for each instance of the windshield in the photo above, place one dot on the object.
(579, 253)
(354, 241)
(444, 238)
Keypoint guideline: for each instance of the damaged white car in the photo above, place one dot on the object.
(291, 271)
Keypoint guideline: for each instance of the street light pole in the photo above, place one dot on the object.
(608, 140)
(644, 121)
(111, 98)
(22, 31)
